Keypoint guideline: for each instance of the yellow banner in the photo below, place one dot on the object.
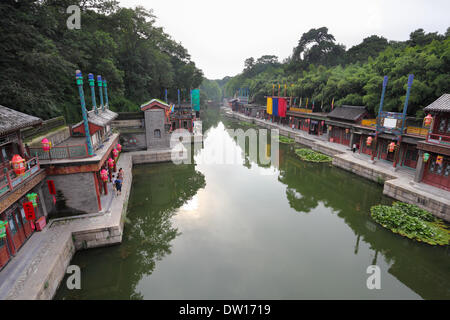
(269, 105)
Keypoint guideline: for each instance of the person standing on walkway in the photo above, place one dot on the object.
(354, 147)
(118, 184)
(120, 174)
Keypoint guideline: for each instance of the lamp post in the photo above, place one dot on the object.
(79, 79)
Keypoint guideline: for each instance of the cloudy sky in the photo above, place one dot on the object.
(220, 35)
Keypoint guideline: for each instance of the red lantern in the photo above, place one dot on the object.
(115, 153)
(369, 141)
(18, 165)
(391, 147)
(428, 119)
(110, 163)
(439, 160)
(46, 144)
(104, 175)
(119, 147)
(347, 130)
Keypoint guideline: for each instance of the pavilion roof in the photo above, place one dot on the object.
(12, 120)
(442, 104)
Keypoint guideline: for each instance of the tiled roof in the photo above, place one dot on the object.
(101, 119)
(148, 104)
(351, 113)
(12, 120)
(442, 104)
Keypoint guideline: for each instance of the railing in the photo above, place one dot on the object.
(9, 180)
(439, 138)
(61, 152)
(301, 110)
(130, 115)
(418, 131)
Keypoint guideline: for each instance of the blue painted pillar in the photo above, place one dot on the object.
(79, 79)
(92, 85)
(383, 91)
(405, 106)
(165, 96)
(380, 109)
(99, 83)
(105, 86)
(178, 96)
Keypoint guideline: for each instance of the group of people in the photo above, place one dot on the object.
(117, 182)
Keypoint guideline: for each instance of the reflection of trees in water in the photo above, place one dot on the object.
(156, 196)
(423, 268)
(157, 192)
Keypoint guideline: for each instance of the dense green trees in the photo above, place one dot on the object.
(320, 70)
(39, 56)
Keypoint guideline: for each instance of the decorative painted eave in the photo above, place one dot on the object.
(154, 103)
(12, 120)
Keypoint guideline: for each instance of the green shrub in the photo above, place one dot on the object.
(285, 140)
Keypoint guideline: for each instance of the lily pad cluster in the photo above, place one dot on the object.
(312, 156)
(412, 222)
(285, 140)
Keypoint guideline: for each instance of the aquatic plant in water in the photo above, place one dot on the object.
(412, 222)
(285, 140)
(312, 156)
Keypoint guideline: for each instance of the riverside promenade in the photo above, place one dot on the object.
(397, 183)
(39, 267)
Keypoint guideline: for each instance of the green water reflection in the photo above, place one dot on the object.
(246, 231)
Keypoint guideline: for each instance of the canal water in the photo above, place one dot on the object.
(296, 230)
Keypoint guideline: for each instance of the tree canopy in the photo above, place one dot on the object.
(39, 56)
(322, 70)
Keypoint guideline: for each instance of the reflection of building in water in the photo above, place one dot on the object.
(412, 263)
(158, 191)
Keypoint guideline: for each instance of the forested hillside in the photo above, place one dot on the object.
(321, 69)
(39, 55)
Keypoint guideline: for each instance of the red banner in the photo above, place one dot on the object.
(29, 210)
(51, 186)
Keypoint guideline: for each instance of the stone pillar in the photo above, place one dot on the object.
(420, 167)
(352, 137)
(42, 202)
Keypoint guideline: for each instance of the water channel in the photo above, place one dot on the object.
(250, 231)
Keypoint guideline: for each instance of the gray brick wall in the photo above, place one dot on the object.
(79, 192)
(154, 120)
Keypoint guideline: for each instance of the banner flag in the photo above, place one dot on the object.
(269, 105)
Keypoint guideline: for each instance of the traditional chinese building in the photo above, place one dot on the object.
(21, 180)
(341, 121)
(307, 120)
(99, 126)
(75, 164)
(434, 154)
